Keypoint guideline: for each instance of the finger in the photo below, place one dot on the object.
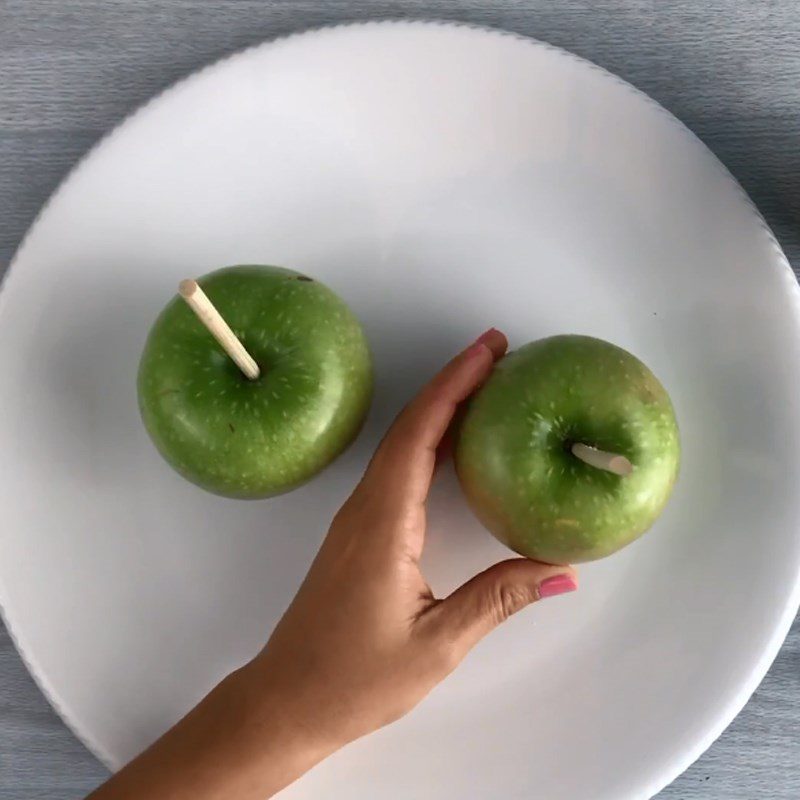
(491, 597)
(444, 450)
(447, 444)
(404, 462)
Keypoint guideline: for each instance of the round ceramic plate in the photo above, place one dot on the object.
(442, 179)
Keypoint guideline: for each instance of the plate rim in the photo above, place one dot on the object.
(780, 629)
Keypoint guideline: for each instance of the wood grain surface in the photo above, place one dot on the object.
(70, 69)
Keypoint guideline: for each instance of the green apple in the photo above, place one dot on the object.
(256, 438)
(515, 461)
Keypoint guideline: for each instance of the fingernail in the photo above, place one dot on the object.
(479, 346)
(484, 337)
(477, 349)
(557, 584)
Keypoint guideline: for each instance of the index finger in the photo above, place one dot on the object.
(405, 460)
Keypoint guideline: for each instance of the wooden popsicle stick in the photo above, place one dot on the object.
(611, 462)
(198, 301)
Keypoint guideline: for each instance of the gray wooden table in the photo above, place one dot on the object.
(69, 69)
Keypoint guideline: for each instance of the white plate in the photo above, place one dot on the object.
(443, 179)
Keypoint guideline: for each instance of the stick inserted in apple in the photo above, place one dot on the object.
(253, 379)
(569, 451)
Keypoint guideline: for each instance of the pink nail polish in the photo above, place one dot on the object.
(557, 584)
(477, 349)
(484, 337)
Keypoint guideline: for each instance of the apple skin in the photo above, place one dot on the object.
(513, 455)
(256, 438)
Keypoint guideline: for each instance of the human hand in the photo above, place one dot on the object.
(365, 639)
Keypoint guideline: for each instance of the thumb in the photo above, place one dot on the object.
(492, 596)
